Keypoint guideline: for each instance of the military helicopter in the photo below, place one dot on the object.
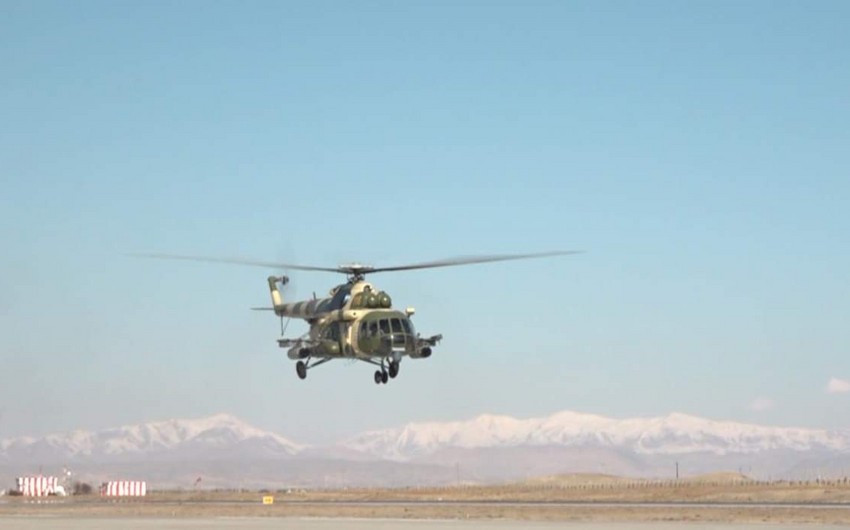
(357, 320)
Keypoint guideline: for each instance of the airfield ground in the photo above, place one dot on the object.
(722, 499)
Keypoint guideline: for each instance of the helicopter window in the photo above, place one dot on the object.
(396, 324)
(373, 328)
(407, 328)
(385, 326)
(363, 329)
(331, 332)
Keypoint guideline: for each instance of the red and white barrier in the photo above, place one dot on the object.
(37, 486)
(124, 488)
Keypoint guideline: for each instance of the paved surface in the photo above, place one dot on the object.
(44, 523)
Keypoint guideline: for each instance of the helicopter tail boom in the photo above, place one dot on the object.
(307, 309)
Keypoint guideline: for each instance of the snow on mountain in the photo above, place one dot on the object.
(667, 435)
(215, 434)
(488, 444)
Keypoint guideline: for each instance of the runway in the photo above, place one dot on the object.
(459, 503)
(532, 504)
(261, 523)
(317, 515)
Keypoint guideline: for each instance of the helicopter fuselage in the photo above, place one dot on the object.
(355, 321)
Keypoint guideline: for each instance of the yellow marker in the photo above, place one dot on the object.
(268, 499)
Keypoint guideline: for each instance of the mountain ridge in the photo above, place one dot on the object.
(488, 448)
(675, 433)
(213, 434)
(224, 436)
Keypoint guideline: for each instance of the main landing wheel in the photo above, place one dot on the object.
(301, 369)
(394, 369)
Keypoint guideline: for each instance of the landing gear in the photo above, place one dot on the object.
(301, 367)
(381, 377)
(385, 373)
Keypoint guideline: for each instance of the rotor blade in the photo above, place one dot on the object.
(238, 261)
(467, 260)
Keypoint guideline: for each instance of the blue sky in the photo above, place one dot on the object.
(697, 151)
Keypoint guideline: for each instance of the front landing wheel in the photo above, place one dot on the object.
(379, 377)
(301, 370)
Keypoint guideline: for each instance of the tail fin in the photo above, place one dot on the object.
(277, 299)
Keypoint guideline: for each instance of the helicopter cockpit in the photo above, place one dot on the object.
(383, 332)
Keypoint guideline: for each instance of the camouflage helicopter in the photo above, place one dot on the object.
(356, 321)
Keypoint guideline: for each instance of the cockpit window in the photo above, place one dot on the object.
(373, 328)
(407, 328)
(396, 324)
(385, 326)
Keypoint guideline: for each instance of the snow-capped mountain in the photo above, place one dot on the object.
(213, 436)
(227, 452)
(675, 434)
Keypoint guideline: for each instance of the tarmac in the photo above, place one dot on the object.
(263, 523)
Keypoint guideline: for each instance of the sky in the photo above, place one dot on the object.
(695, 151)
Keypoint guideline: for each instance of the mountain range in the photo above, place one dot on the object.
(669, 435)
(215, 436)
(230, 452)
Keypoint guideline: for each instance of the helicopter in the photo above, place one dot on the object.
(356, 321)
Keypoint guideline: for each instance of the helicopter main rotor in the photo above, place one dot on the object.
(357, 271)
